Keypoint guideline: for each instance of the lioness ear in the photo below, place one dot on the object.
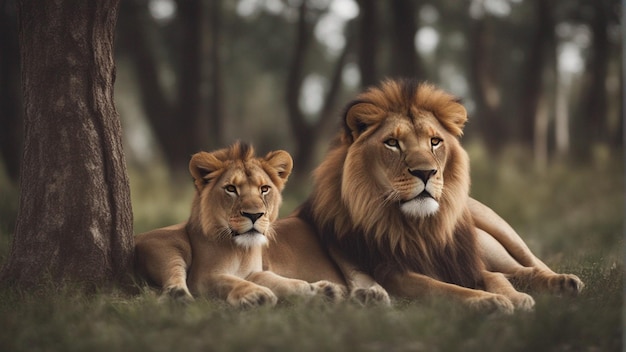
(203, 167)
(281, 164)
(359, 116)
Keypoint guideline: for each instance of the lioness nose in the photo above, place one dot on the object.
(252, 216)
(423, 175)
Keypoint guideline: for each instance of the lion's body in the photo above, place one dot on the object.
(391, 205)
(218, 251)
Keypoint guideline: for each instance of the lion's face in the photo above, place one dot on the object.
(400, 151)
(239, 198)
(409, 159)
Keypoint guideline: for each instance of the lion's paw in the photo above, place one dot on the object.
(176, 294)
(372, 295)
(565, 284)
(522, 301)
(491, 303)
(252, 297)
(331, 291)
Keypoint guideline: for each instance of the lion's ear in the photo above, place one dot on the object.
(204, 167)
(453, 116)
(280, 164)
(359, 116)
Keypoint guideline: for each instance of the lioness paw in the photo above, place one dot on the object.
(491, 303)
(329, 290)
(370, 296)
(522, 301)
(252, 297)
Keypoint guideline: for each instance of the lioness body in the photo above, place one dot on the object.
(218, 251)
(390, 205)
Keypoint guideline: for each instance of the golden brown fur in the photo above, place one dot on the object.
(383, 233)
(218, 251)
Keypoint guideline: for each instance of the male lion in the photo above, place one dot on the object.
(220, 246)
(391, 206)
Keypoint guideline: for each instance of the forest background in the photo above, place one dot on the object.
(541, 81)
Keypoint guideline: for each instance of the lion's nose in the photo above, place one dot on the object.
(252, 216)
(423, 175)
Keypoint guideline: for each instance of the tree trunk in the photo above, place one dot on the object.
(486, 93)
(592, 127)
(216, 96)
(368, 42)
(75, 221)
(10, 102)
(404, 58)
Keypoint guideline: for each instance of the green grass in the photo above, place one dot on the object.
(571, 216)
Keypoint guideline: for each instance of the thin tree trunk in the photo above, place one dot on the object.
(368, 42)
(75, 221)
(216, 97)
(404, 59)
(10, 102)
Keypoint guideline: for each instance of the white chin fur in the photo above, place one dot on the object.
(249, 240)
(420, 207)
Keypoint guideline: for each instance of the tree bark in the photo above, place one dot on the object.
(75, 220)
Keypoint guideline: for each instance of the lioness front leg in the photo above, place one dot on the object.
(284, 287)
(414, 285)
(236, 291)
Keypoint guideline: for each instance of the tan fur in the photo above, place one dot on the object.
(218, 251)
(382, 244)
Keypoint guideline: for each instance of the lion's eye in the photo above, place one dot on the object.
(392, 143)
(230, 189)
(435, 142)
(265, 189)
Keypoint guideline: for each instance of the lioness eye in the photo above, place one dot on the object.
(392, 143)
(265, 189)
(231, 189)
(435, 141)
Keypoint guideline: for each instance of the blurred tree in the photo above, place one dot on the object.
(368, 40)
(10, 103)
(592, 118)
(404, 59)
(539, 66)
(188, 120)
(75, 219)
(307, 134)
(484, 83)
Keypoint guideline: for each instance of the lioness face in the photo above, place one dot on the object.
(247, 196)
(406, 156)
(239, 199)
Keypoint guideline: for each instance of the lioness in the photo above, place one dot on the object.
(237, 199)
(391, 206)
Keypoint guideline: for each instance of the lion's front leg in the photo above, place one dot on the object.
(498, 283)
(285, 287)
(414, 285)
(363, 288)
(236, 291)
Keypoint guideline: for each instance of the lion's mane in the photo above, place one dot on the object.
(373, 233)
